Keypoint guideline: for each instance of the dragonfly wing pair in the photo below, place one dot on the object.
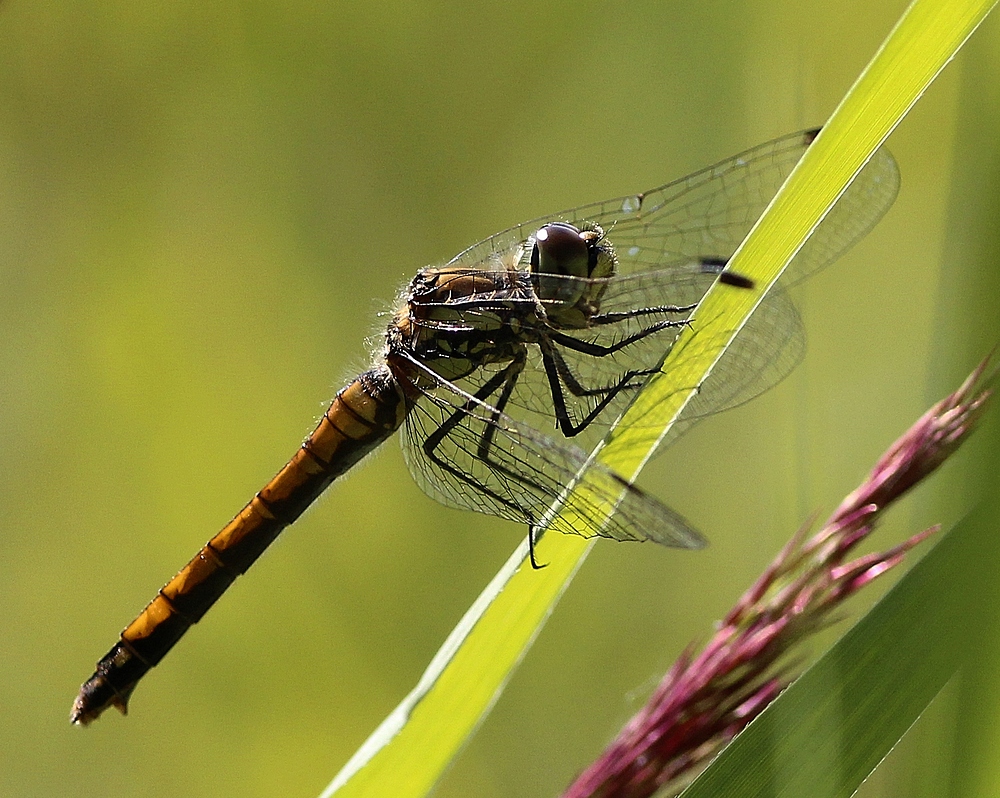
(479, 442)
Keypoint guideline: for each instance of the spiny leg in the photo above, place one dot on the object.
(599, 350)
(512, 372)
(531, 549)
(430, 445)
(623, 315)
(559, 374)
(506, 378)
(576, 387)
(556, 368)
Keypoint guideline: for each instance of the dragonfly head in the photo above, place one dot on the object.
(566, 266)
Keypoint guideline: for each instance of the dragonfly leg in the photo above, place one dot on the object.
(531, 548)
(560, 374)
(599, 350)
(510, 374)
(576, 388)
(478, 400)
(622, 315)
(504, 382)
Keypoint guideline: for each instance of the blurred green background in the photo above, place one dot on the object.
(203, 210)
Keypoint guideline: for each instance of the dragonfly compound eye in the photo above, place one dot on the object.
(560, 251)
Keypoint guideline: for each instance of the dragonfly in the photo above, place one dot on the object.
(506, 365)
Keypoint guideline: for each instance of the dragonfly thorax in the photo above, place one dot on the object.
(456, 320)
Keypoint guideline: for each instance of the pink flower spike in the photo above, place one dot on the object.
(753, 706)
(706, 699)
(847, 572)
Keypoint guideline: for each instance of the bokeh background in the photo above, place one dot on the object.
(203, 209)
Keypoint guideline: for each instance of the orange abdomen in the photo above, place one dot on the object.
(360, 417)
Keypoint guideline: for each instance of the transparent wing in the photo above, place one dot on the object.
(769, 346)
(464, 454)
(709, 213)
(662, 237)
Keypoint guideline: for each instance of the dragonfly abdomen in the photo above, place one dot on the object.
(360, 417)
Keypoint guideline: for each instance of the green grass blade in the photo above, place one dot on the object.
(826, 733)
(409, 751)
(412, 748)
(919, 47)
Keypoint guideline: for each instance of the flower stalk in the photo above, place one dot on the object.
(707, 698)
